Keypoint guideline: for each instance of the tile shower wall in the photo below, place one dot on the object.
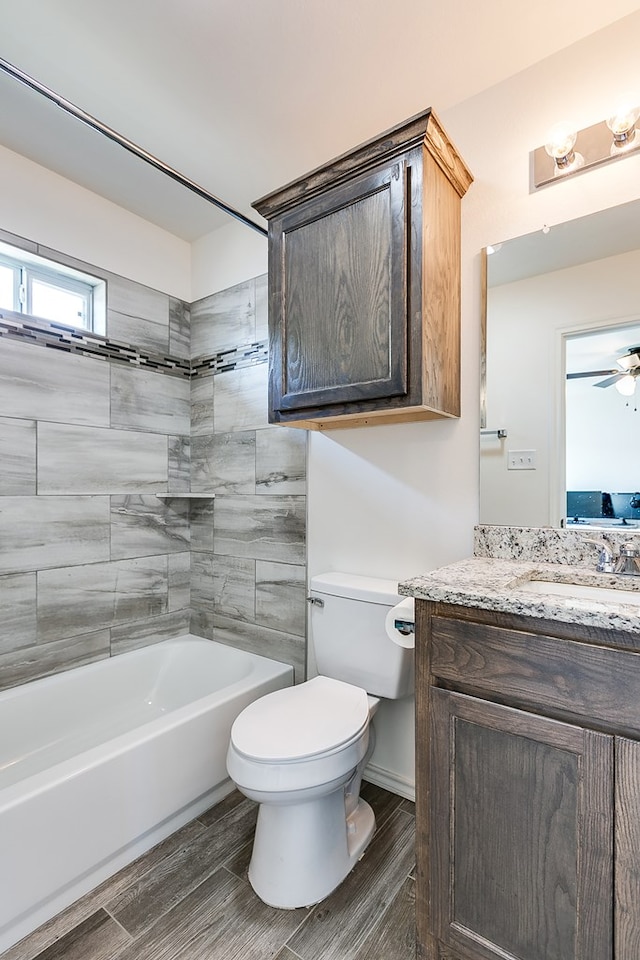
(95, 556)
(248, 575)
(92, 561)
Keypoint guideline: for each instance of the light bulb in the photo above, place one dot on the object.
(622, 122)
(560, 142)
(626, 385)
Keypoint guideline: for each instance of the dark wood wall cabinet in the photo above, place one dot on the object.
(528, 788)
(364, 284)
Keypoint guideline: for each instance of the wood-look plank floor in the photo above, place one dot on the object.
(189, 899)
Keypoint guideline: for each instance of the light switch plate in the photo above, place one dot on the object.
(521, 460)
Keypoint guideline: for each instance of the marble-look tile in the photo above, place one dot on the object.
(202, 406)
(202, 590)
(262, 307)
(179, 574)
(284, 647)
(281, 596)
(223, 319)
(17, 611)
(137, 314)
(261, 527)
(73, 600)
(281, 461)
(44, 659)
(234, 463)
(201, 514)
(17, 456)
(202, 464)
(38, 383)
(42, 532)
(74, 459)
(141, 633)
(234, 587)
(179, 452)
(148, 400)
(240, 399)
(146, 525)
(179, 329)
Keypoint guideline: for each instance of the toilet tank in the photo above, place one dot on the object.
(350, 640)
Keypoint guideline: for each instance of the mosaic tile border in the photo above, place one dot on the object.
(57, 336)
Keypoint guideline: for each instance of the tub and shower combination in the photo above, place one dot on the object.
(99, 763)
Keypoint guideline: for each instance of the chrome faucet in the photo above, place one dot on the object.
(628, 561)
(606, 561)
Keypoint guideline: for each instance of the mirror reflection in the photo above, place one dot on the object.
(562, 328)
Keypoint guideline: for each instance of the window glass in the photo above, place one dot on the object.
(54, 303)
(7, 287)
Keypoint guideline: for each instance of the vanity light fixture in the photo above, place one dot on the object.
(568, 151)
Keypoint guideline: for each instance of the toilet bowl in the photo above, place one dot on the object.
(301, 752)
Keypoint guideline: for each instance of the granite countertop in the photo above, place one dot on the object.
(497, 584)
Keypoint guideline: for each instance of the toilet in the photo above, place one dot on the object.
(300, 752)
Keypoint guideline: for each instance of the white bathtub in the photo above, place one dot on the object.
(99, 763)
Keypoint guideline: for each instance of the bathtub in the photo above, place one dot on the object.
(99, 763)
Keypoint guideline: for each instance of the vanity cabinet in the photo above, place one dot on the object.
(528, 788)
(364, 284)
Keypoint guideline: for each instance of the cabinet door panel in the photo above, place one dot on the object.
(627, 873)
(343, 327)
(521, 833)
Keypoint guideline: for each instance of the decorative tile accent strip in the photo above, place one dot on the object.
(72, 340)
(232, 359)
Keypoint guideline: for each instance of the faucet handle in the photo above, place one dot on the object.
(605, 562)
(628, 561)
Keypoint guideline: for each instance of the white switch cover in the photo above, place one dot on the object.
(521, 460)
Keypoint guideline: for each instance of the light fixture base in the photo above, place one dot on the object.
(594, 144)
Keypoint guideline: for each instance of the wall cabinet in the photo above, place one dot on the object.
(364, 284)
(528, 789)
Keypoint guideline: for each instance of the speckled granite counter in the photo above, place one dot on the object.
(499, 583)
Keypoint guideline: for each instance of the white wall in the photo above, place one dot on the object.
(227, 256)
(44, 207)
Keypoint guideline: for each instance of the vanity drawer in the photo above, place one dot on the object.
(569, 679)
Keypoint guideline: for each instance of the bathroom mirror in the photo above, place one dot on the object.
(562, 321)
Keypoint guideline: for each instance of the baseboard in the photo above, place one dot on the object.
(392, 782)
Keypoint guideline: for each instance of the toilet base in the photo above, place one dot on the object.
(303, 851)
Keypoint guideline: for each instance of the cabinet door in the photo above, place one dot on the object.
(338, 295)
(521, 834)
(627, 858)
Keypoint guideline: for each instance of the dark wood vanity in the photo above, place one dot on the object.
(528, 787)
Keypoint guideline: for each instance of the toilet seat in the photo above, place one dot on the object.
(316, 718)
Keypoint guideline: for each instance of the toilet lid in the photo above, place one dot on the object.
(312, 718)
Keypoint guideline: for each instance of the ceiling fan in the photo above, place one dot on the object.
(629, 365)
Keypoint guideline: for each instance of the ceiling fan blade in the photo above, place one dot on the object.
(630, 359)
(593, 373)
(610, 380)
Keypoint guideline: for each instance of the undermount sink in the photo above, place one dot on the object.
(581, 591)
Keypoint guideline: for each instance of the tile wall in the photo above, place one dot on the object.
(98, 437)
(248, 575)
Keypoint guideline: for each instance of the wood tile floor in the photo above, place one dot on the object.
(189, 899)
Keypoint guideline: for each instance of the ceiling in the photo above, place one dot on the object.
(242, 96)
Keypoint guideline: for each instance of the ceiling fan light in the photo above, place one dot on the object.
(626, 385)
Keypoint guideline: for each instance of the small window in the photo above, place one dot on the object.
(50, 291)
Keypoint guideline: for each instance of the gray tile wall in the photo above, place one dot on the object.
(94, 560)
(248, 546)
